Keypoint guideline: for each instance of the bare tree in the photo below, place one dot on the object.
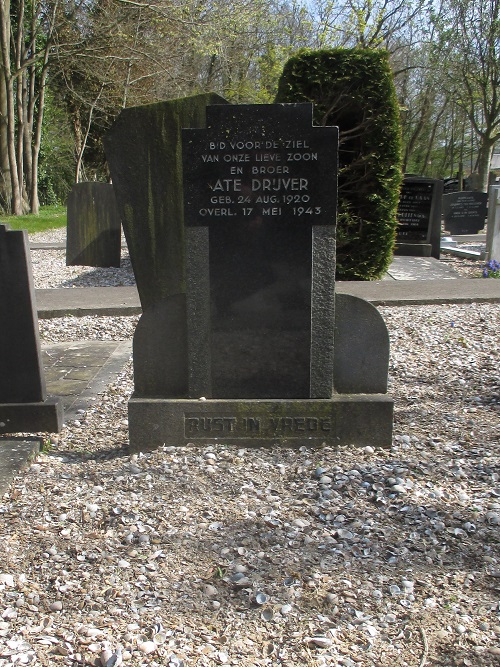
(366, 23)
(470, 47)
(26, 40)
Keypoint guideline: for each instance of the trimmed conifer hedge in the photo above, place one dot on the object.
(354, 89)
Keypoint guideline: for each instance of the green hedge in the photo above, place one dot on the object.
(353, 88)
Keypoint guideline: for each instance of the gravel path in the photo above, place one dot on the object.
(225, 556)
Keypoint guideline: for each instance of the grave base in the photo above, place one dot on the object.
(459, 229)
(45, 417)
(413, 249)
(348, 419)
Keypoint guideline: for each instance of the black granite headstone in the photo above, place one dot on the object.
(259, 204)
(419, 217)
(94, 227)
(24, 405)
(240, 320)
(465, 212)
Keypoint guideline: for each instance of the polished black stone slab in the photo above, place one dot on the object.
(465, 212)
(260, 210)
(24, 405)
(94, 226)
(21, 372)
(419, 213)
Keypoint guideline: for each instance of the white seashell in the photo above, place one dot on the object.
(147, 647)
(321, 642)
(113, 659)
(105, 656)
(7, 579)
(345, 534)
(56, 606)
(123, 564)
(267, 615)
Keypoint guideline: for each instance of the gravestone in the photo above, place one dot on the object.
(237, 340)
(493, 231)
(419, 217)
(94, 226)
(465, 212)
(24, 405)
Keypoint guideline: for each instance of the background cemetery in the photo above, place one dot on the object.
(79, 65)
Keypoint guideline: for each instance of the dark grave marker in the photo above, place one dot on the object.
(260, 207)
(94, 226)
(465, 212)
(240, 320)
(419, 217)
(24, 405)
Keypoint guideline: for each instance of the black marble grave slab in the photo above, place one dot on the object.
(419, 217)
(260, 206)
(94, 227)
(240, 324)
(23, 402)
(465, 212)
(21, 376)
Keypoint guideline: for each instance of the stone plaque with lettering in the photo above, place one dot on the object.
(414, 210)
(231, 231)
(419, 216)
(260, 210)
(465, 212)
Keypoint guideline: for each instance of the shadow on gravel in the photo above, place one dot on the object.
(104, 277)
(80, 456)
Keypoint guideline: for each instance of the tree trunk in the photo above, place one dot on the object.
(5, 37)
(5, 184)
(484, 161)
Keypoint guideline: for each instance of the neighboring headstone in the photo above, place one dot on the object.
(465, 212)
(419, 217)
(94, 226)
(472, 182)
(451, 185)
(493, 231)
(24, 405)
(247, 356)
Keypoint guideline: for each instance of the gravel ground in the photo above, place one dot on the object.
(50, 270)
(225, 556)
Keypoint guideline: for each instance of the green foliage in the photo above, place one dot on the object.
(56, 166)
(353, 88)
(50, 217)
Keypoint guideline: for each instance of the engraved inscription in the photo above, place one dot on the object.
(290, 426)
(252, 173)
(414, 211)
